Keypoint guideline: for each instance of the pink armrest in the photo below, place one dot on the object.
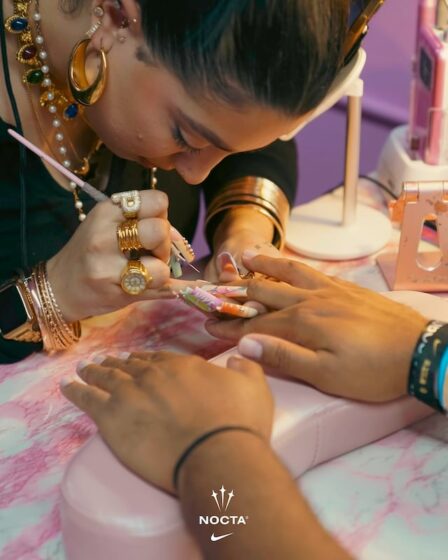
(110, 514)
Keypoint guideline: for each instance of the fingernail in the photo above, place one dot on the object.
(81, 365)
(124, 355)
(225, 259)
(68, 380)
(228, 267)
(250, 348)
(99, 359)
(175, 233)
(249, 254)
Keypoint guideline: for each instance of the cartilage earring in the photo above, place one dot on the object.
(98, 12)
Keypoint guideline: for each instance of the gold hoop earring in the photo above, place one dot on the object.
(84, 93)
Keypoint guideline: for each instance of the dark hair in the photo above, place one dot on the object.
(280, 53)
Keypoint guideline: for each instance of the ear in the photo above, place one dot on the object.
(119, 19)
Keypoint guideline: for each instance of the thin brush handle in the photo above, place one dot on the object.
(86, 187)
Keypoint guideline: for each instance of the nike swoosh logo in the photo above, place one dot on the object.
(219, 537)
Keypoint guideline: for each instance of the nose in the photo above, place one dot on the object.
(195, 168)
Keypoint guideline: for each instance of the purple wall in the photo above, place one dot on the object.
(389, 46)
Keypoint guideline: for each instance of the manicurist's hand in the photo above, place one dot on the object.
(85, 274)
(151, 407)
(343, 339)
(242, 229)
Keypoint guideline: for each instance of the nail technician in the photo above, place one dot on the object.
(192, 91)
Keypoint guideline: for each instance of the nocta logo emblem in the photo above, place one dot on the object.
(222, 499)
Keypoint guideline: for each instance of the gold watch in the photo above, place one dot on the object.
(18, 319)
(135, 278)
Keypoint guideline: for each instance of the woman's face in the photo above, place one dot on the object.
(146, 115)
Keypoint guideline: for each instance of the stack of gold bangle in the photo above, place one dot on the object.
(56, 333)
(257, 193)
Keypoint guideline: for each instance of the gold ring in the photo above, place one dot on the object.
(135, 278)
(130, 202)
(127, 236)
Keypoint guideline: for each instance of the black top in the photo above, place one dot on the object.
(51, 217)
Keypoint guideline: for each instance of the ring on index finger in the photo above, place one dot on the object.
(130, 202)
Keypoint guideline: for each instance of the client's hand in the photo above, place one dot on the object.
(151, 407)
(85, 274)
(242, 229)
(343, 339)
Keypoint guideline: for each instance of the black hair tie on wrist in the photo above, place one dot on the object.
(199, 440)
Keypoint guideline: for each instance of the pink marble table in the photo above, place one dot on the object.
(40, 430)
(387, 500)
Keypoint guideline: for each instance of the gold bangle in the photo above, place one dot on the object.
(258, 188)
(279, 232)
(258, 193)
(57, 334)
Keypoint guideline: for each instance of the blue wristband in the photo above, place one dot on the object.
(441, 378)
(425, 372)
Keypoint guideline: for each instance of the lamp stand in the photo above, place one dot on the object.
(334, 227)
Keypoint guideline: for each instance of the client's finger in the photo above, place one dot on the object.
(242, 365)
(107, 376)
(91, 400)
(286, 358)
(295, 324)
(290, 271)
(275, 295)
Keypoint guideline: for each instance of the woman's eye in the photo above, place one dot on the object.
(182, 143)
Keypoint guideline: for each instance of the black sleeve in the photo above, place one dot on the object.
(277, 162)
(12, 351)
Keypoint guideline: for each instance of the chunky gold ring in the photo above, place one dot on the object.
(135, 278)
(127, 236)
(130, 202)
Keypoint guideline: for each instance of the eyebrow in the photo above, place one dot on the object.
(204, 132)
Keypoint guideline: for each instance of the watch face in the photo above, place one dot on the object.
(13, 312)
(134, 283)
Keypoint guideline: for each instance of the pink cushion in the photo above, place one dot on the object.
(110, 514)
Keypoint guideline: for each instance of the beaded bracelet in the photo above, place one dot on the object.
(425, 369)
